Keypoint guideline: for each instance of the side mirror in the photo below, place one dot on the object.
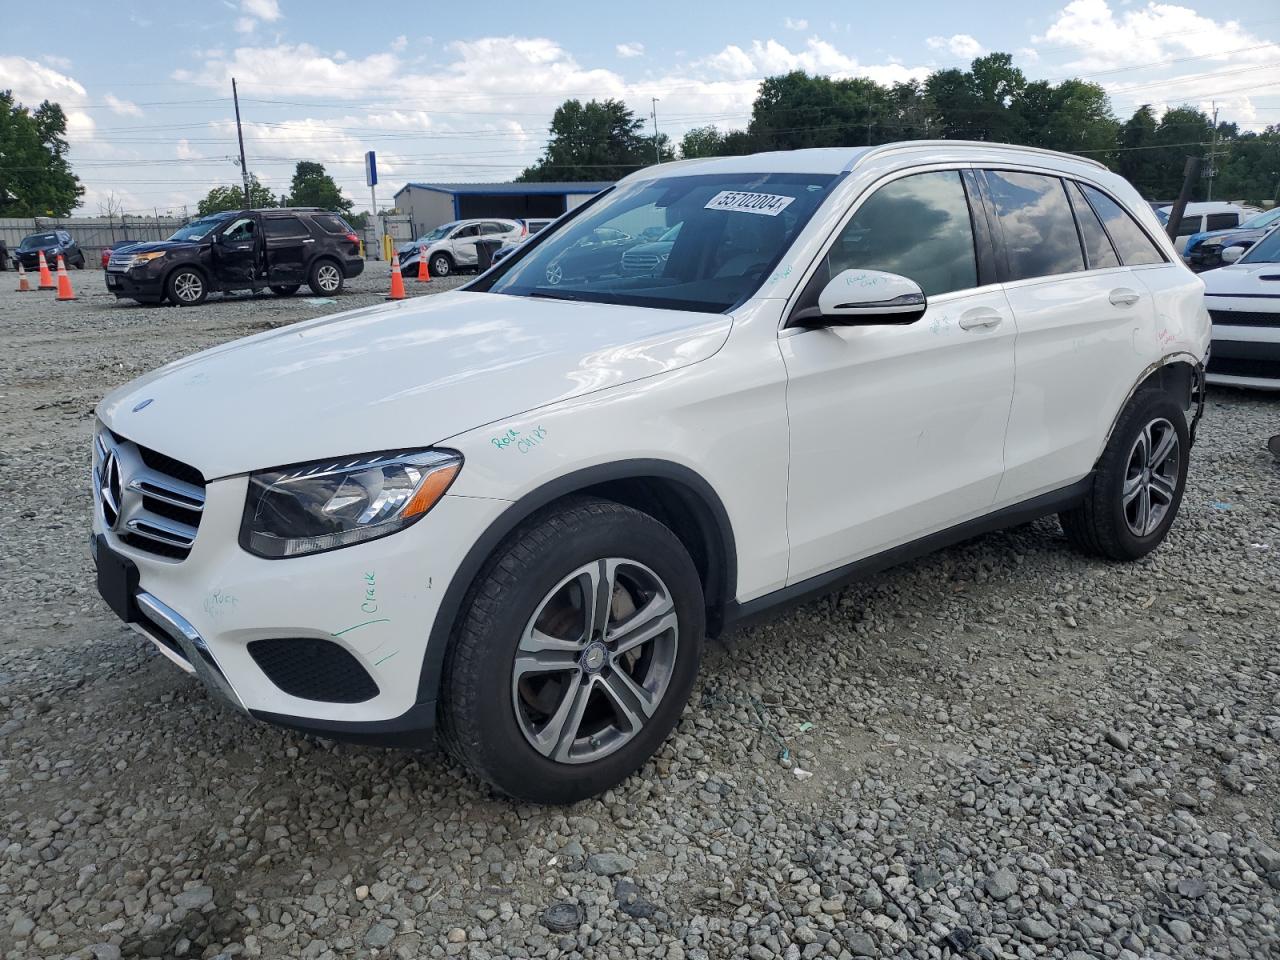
(856, 297)
(1232, 254)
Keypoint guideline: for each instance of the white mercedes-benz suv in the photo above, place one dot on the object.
(512, 513)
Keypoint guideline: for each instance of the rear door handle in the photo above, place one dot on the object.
(980, 318)
(1124, 297)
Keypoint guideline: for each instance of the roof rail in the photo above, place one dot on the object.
(985, 144)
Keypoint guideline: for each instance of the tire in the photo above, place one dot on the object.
(441, 265)
(325, 278)
(286, 290)
(489, 719)
(1131, 473)
(80, 262)
(186, 287)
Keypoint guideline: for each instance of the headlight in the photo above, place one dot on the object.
(313, 507)
(139, 259)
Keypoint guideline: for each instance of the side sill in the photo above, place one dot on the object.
(741, 614)
(415, 728)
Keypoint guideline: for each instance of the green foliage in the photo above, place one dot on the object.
(597, 140)
(1251, 169)
(232, 198)
(35, 177)
(312, 187)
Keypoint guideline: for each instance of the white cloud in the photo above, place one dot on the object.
(400, 43)
(1028, 55)
(125, 107)
(958, 45)
(245, 24)
(800, 24)
(768, 57)
(33, 82)
(268, 10)
(58, 63)
(185, 151)
(628, 50)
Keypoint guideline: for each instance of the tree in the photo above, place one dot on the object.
(232, 198)
(1251, 171)
(312, 187)
(35, 176)
(597, 140)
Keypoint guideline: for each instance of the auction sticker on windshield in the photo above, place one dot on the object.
(769, 204)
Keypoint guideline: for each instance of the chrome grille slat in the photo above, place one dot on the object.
(144, 507)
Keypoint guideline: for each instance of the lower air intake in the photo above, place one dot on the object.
(314, 669)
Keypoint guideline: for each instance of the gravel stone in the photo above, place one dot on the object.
(1104, 790)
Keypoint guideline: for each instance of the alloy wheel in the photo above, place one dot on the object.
(188, 287)
(1151, 477)
(327, 277)
(595, 660)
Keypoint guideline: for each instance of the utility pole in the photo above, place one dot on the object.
(244, 170)
(657, 154)
(1190, 173)
(1213, 151)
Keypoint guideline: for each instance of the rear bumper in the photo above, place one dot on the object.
(353, 268)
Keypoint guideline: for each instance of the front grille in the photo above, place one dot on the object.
(314, 669)
(639, 261)
(1245, 318)
(1242, 367)
(150, 501)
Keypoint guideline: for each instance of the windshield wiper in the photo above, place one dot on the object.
(547, 295)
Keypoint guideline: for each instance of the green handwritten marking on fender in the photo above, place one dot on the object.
(386, 658)
(505, 440)
(359, 625)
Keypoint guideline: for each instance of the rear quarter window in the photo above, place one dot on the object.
(1221, 221)
(331, 223)
(1131, 241)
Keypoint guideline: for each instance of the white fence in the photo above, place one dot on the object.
(92, 233)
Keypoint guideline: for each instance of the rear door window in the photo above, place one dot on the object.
(1097, 245)
(1131, 241)
(1035, 219)
(282, 227)
(331, 223)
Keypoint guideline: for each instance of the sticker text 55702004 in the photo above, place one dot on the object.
(522, 442)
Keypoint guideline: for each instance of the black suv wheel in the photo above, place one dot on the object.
(575, 654)
(325, 278)
(186, 287)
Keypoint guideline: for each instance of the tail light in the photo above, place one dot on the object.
(353, 238)
(524, 229)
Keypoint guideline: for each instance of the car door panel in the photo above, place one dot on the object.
(288, 244)
(235, 255)
(463, 245)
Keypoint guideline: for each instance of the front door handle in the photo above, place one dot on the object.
(980, 318)
(1124, 297)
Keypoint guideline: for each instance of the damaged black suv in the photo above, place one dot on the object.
(279, 248)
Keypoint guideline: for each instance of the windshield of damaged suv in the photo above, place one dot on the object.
(198, 229)
(734, 228)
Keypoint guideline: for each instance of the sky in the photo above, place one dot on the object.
(464, 92)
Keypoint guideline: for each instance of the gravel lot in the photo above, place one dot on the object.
(1003, 750)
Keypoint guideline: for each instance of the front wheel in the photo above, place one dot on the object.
(285, 290)
(1138, 483)
(575, 653)
(441, 265)
(325, 278)
(186, 287)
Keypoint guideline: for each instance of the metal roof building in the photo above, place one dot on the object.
(431, 204)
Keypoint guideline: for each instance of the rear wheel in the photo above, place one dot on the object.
(186, 287)
(1138, 484)
(575, 653)
(325, 278)
(286, 290)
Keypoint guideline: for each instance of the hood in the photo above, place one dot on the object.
(1234, 233)
(147, 246)
(1249, 279)
(407, 374)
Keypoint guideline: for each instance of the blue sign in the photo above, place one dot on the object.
(371, 169)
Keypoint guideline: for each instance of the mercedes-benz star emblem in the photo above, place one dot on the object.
(112, 488)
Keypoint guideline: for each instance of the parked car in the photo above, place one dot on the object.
(1244, 302)
(1204, 250)
(513, 511)
(52, 243)
(535, 225)
(192, 230)
(1203, 217)
(280, 248)
(651, 257)
(596, 254)
(451, 247)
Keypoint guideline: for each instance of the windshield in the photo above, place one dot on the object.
(1264, 219)
(38, 240)
(733, 230)
(439, 233)
(1266, 250)
(198, 229)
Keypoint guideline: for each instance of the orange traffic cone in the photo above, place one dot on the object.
(397, 281)
(23, 285)
(46, 278)
(64, 282)
(424, 271)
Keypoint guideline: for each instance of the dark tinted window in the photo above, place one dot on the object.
(285, 227)
(1097, 247)
(1189, 224)
(491, 228)
(917, 227)
(1221, 221)
(331, 223)
(1133, 245)
(1035, 218)
(471, 231)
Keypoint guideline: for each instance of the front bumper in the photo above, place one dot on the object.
(204, 612)
(1245, 356)
(125, 284)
